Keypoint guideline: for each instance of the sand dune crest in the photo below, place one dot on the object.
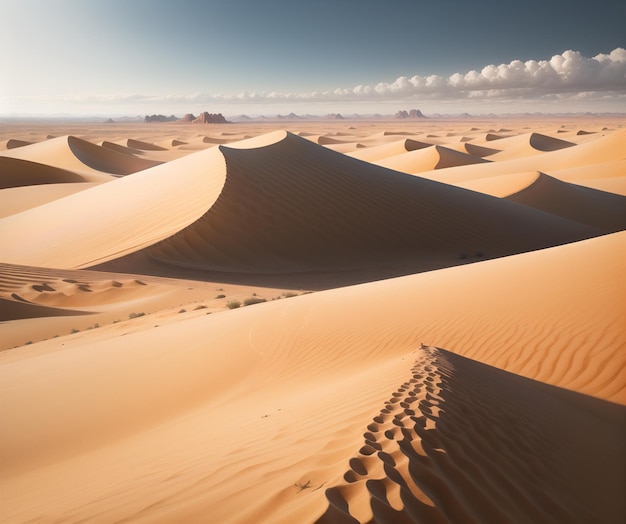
(430, 158)
(425, 459)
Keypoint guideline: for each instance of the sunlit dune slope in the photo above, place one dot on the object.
(21, 198)
(116, 218)
(293, 205)
(225, 415)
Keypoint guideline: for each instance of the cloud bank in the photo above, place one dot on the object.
(569, 76)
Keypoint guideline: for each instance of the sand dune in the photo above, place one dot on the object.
(418, 462)
(360, 344)
(23, 309)
(606, 148)
(144, 146)
(434, 157)
(528, 144)
(12, 143)
(604, 211)
(484, 384)
(121, 148)
(19, 173)
(134, 225)
(80, 156)
(335, 212)
(481, 151)
(373, 154)
(248, 230)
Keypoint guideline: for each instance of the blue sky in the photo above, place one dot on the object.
(119, 57)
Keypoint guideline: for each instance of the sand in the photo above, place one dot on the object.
(341, 321)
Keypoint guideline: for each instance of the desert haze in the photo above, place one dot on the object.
(351, 321)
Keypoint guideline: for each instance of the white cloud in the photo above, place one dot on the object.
(568, 76)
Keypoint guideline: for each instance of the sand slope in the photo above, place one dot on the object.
(116, 218)
(155, 397)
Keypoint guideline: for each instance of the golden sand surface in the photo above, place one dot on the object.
(313, 321)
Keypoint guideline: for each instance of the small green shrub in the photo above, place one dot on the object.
(74, 330)
(220, 296)
(233, 304)
(136, 315)
(253, 300)
(201, 306)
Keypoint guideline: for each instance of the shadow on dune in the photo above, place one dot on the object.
(293, 206)
(465, 442)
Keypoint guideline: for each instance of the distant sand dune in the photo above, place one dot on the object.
(607, 148)
(80, 156)
(12, 143)
(372, 154)
(141, 145)
(19, 173)
(481, 151)
(426, 159)
(121, 148)
(602, 210)
(528, 144)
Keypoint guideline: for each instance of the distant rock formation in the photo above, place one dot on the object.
(210, 118)
(290, 116)
(189, 117)
(109, 121)
(336, 116)
(160, 118)
(413, 113)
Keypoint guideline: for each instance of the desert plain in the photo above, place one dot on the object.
(314, 321)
